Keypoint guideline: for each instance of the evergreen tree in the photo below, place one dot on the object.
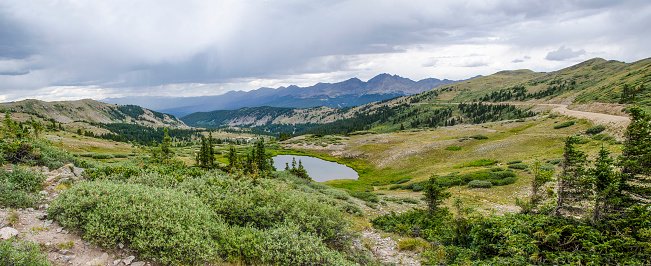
(573, 184)
(298, 171)
(435, 194)
(606, 185)
(540, 178)
(233, 159)
(635, 160)
(211, 151)
(36, 126)
(165, 145)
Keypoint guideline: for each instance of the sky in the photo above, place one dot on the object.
(76, 49)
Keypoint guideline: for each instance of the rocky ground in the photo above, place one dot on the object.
(63, 247)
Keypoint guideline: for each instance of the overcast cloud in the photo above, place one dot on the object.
(67, 49)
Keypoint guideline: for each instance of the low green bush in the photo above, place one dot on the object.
(23, 179)
(519, 166)
(603, 137)
(453, 148)
(547, 167)
(514, 162)
(478, 136)
(394, 187)
(554, 161)
(17, 252)
(337, 194)
(365, 196)
(401, 181)
(19, 187)
(477, 163)
(595, 130)
(154, 221)
(102, 156)
(410, 200)
(565, 124)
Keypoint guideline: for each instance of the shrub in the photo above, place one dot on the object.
(154, 221)
(394, 187)
(603, 137)
(337, 194)
(267, 203)
(53, 157)
(19, 187)
(23, 179)
(477, 163)
(453, 148)
(417, 187)
(365, 196)
(410, 200)
(555, 161)
(351, 208)
(519, 166)
(503, 181)
(565, 124)
(547, 167)
(478, 136)
(17, 252)
(480, 184)
(595, 130)
(413, 244)
(514, 162)
(401, 181)
(103, 156)
(12, 197)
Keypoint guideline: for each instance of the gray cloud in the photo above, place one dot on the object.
(563, 54)
(142, 47)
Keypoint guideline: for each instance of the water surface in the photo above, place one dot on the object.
(319, 170)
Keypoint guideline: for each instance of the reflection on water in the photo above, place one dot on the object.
(319, 170)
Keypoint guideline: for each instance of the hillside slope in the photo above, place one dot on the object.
(594, 86)
(88, 110)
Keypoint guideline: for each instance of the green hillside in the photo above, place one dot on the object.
(595, 80)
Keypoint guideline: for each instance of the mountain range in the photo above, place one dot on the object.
(581, 86)
(351, 92)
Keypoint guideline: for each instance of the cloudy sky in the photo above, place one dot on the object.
(73, 49)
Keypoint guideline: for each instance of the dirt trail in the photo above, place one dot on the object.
(63, 247)
(597, 118)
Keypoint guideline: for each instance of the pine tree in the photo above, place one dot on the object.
(635, 160)
(573, 184)
(605, 184)
(36, 126)
(233, 159)
(165, 145)
(435, 194)
(540, 178)
(211, 152)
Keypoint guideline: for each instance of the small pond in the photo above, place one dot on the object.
(319, 170)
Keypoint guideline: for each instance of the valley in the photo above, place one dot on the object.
(437, 170)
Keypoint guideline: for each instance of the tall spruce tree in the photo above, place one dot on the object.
(233, 159)
(635, 160)
(573, 185)
(435, 194)
(605, 184)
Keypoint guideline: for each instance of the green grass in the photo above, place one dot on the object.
(477, 163)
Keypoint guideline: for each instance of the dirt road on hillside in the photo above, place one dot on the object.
(597, 118)
(561, 109)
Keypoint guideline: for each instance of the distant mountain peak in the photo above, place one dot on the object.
(350, 92)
